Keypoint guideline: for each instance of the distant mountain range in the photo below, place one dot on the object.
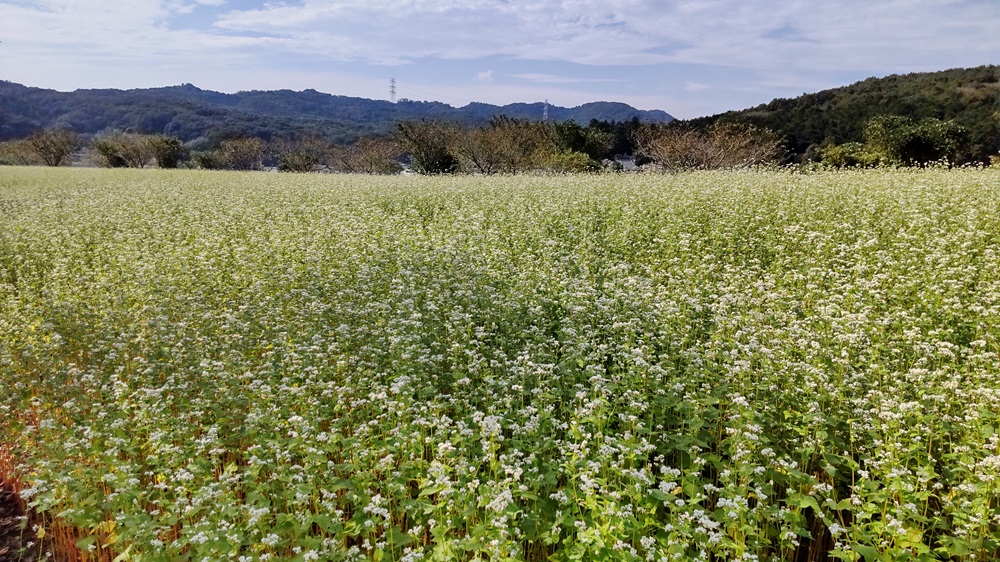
(190, 113)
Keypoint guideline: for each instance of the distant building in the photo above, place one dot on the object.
(623, 163)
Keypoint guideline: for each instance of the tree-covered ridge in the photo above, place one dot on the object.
(189, 113)
(970, 97)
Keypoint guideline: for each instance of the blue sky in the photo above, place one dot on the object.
(689, 58)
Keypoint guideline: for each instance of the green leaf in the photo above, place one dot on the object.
(123, 556)
(398, 538)
(325, 522)
(869, 552)
(85, 543)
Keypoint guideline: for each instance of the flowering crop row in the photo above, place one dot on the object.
(714, 366)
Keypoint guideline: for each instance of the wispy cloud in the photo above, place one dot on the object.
(541, 78)
(740, 52)
(636, 32)
(696, 87)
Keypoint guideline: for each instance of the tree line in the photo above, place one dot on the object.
(503, 145)
(510, 146)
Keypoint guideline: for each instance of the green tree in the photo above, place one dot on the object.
(430, 145)
(908, 142)
(106, 153)
(124, 150)
(507, 146)
(168, 151)
(206, 160)
(300, 154)
(591, 140)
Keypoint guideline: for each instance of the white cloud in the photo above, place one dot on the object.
(583, 31)
(721, 54)
(754, 33)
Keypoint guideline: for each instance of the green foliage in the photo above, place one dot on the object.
(168, 151)
(125, 150)
(592, 141)
(233, 154)
(567, 161)
(430, 145)
(850, 155)
(904, 141)
(300, 154)
(507, 146)
(206, 160)
(898, 141)
(107, 153)
(966, 98)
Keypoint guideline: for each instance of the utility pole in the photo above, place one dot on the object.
(392, 90)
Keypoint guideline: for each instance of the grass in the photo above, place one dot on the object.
(754, 366)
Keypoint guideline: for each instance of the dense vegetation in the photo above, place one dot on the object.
(513, 146)
(725, 366)
(503, 145)
(189, 113)
(968, 97)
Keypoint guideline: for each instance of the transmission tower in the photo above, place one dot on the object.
(545, 112)
(392, 90)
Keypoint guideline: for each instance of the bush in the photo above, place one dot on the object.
(568, 161)
(849, 155)
(18, 153)
(124, 150)
(906, 142)
(301, 154)
(722, 146)
(370, 155)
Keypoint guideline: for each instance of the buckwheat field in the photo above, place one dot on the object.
(711, 366)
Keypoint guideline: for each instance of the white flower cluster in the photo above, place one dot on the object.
(725, 366)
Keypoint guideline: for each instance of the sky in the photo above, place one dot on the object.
(689, 58)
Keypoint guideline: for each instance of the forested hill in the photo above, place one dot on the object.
(970, 97)
(188, 112)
